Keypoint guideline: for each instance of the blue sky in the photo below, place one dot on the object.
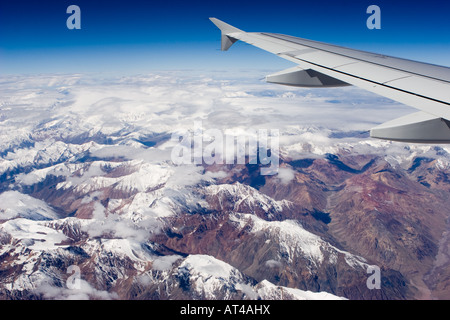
(141, 36)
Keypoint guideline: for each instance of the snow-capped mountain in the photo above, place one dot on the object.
(93, 207)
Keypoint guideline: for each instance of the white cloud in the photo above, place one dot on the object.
(82, 292)
(122, 114)
(165, 262)
(286, 175)
(273, 263)
(106, 224)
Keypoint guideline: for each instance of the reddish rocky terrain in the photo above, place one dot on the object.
(317, 232)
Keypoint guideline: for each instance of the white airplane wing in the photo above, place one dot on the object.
(423, 86)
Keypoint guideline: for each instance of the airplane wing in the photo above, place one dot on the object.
(423, 86)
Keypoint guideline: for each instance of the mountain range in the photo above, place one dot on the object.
(86, 180)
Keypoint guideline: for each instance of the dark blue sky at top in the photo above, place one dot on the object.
(141, 36)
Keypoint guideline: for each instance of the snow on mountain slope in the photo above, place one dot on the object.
(136, 177)
(41, 154)
(294, 240)
(111, 262)
(33, 234)
(14, 204)
(268, 291)
(243, 195)
(45, 263)
(208, 276)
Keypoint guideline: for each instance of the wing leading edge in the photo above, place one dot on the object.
(423, 86)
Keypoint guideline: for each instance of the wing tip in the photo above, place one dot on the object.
(223, 26)
(225, 29)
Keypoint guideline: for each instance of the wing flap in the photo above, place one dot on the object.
(372, 72)
(434, 89)
(309, 78)
(332, 60)
(418, 127)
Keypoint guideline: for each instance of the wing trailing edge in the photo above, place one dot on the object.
(419, 127)
(309, 78)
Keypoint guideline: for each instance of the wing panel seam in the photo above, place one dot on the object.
(347, 56)
(377, 83)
